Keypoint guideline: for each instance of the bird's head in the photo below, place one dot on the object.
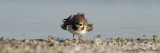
(79, 23)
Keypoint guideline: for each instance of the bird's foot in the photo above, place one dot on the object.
(80, 39)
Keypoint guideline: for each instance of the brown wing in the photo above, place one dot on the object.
(80, 18)
(66, 22)
(90, 27)
(86, 22)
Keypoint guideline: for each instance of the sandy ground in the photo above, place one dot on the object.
(50, 45)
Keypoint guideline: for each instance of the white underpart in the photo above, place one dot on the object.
(69, 27)
(79, 26)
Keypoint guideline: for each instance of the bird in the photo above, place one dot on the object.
(77, 25)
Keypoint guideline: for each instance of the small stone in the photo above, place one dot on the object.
(99, 36)
(88, 40)
(111, 38)
(35, 42)
(154, 36)
(121, 39)
(155, 40)
(50, 40)
(52, 44)
(68, 39)
(147, 40)
(2, 38)
(8, 39)
(13, 39)
(40, 39)
(138, 39)
(132, 40)
(61, 40)
(50, 36)
(97, 41)
(128, 39)
(26, 40)
(116, 40)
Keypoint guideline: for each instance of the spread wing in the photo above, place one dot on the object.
(79, 17)
(66, 22)
(90, 27)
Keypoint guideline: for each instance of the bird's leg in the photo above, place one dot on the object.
(80, 38)
(73, 36)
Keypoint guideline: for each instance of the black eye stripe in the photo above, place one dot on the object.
(76, 23)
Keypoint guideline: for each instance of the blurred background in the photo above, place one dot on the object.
(21, 19)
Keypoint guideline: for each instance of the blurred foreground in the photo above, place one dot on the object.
(50, 45)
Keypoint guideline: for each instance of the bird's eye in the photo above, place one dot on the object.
(76, 23)
(80, 24)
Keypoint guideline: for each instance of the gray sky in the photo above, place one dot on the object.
(113, 15)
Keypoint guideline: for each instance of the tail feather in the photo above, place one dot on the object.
(90, 27)
(66, 22)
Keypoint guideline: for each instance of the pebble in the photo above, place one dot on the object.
(99, 36)
(50, 45)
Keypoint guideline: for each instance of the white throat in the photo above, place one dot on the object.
(76, 32)
(79, 26)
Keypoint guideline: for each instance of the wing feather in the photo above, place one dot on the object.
(66, 22)
(90, 27)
